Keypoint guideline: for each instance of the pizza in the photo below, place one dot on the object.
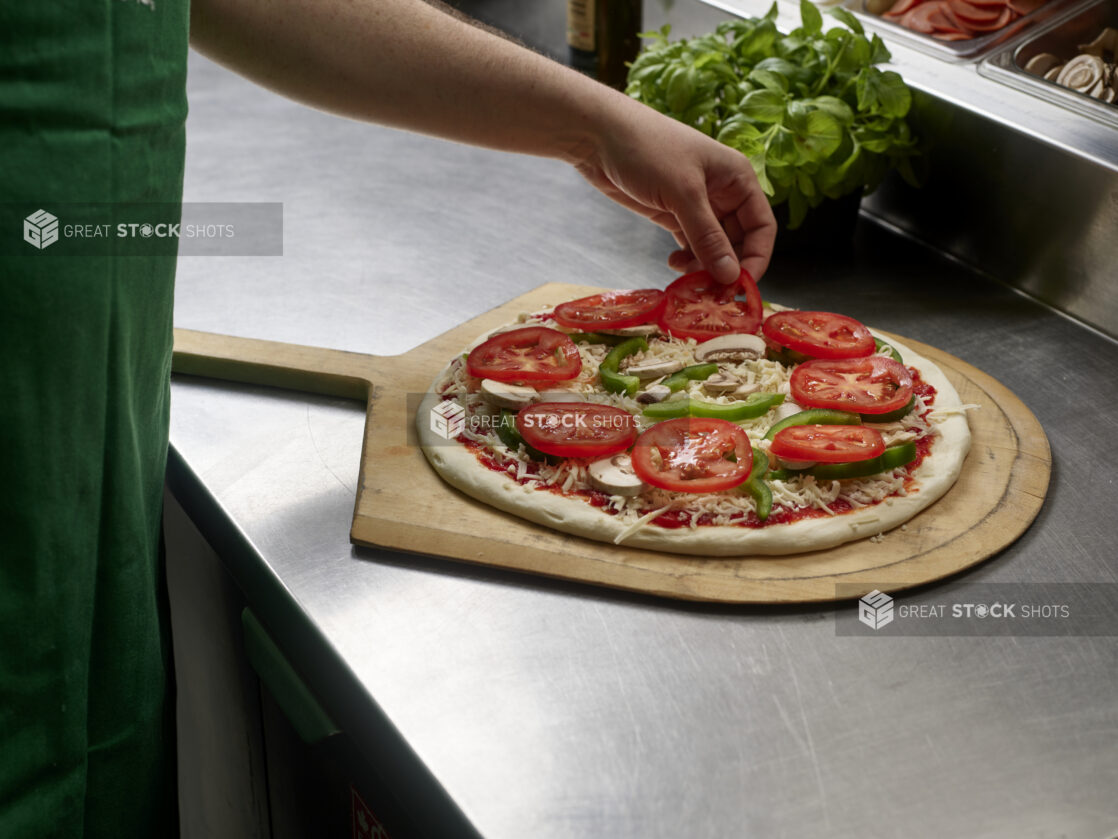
(696, 420)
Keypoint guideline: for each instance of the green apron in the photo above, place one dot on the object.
(92, 109)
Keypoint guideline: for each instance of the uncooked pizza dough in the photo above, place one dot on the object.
(550, 496)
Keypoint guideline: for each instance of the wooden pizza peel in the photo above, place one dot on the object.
(402, 504)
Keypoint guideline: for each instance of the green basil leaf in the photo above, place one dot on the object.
(680, 88)
(782, 149)
(765, 106)
(819, 135)
(879, 53)
(833, 106)
(855, 55)
(811, 16)
(769, 80)
(848, 19)
(883, 92)
(761, 170)
(805, 183)
(738, 133)
(755, 44)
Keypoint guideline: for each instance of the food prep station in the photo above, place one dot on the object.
(481, 702)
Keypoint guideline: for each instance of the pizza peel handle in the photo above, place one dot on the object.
(251, 361)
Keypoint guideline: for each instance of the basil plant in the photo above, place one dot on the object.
(810, 109)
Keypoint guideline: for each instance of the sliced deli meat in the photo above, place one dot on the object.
(959, 20)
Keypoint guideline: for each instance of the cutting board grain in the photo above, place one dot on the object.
(403, 505)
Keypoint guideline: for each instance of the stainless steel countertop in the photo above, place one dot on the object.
(509, 706)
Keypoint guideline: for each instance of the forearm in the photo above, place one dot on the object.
(410, 65)
(407, 64)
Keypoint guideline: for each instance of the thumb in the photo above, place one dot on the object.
(707, 240)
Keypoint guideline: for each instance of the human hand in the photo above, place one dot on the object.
(704, 193)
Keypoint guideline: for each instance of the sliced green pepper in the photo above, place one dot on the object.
(668, 410)
(509, 435)
(892, 458)
(892, 416)
(785, 474)
(815, 416)
(787, 357)
(596, 338)
(882, 345)
(694, 373)
(757, 487)
(611, 379)
(757, 404)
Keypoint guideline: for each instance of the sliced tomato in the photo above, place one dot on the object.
(828, 443)
(611, 310)
(693, 454)
(700, 307)
(819, 334)
(872, 385)
(576, 429)
(531, 354)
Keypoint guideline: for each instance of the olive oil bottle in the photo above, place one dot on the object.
(603, 37)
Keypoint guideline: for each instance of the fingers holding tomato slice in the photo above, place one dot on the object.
(819, 334)
(698, 306)
(693, 455)
(611, 310)
(531, 354)
(828, 443)
(576, 429)
(871, 385)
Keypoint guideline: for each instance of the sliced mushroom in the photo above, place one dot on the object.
(507, 395)
(736, 347)
(655, 393)
(721, 383)
(1041, 63)
(744, 391)
(785, 409)
(1054, 73)
(654, 369)
(561, 396)
(1105, 42)
(1097, 90)
(615, 475)
(1082, 73)
(796, 464)
(1108, 95)
(631, 331)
